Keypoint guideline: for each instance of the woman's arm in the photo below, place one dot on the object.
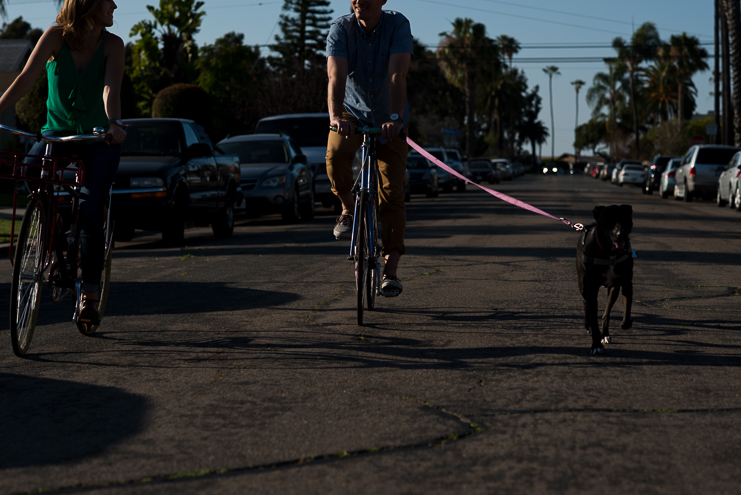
(47, 47)
(112, 89)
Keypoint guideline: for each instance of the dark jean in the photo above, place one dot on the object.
(101, 162)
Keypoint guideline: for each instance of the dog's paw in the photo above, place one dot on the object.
(597, 351)
(606, 340)
(626, 324)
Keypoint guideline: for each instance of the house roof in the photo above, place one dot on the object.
(13, 54)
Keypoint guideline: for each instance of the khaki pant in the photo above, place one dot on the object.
(392, 166)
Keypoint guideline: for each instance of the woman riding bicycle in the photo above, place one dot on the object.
(85, 65)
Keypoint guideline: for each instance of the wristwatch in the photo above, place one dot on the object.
(394, 117)
(116, 121)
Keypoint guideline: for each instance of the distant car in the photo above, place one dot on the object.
(503, 167)
(444, 178)
(729, 185)
(631, 174)
(605, 172)
(310, 131)
(459, 165)
(422, 176)
(168, 176)
(275, 175)
(619, 166)
(451, 161)
(666, 185)
(596, 169)
(698, 173)
(653, 174)
(481, 169)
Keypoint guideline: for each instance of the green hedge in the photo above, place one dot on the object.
(183, 101)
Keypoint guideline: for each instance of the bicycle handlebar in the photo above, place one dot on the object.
(361, 130)
(97, 135)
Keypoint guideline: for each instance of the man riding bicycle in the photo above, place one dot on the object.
(368, 55)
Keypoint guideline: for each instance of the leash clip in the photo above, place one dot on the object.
(579, 227)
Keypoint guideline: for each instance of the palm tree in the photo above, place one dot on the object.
(688, 57)
(606, 91)
(732, 11)
(508, 46)
(643, 46)
(462, 54)
(552, 70)
(578, 84)
(661, 83)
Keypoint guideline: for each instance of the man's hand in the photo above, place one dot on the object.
(344, 127)
(391, 129)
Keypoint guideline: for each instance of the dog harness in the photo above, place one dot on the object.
(611, 261)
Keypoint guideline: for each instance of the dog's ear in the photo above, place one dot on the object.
(597, 212)
(628, 212)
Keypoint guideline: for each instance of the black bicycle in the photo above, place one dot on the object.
(39, 254)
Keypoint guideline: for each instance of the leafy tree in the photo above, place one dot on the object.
(30, 110)
(183, 101)
(551, 71)
(165, 52)
(304, 25)
(229, 73)
(466, 55)
(643, 45)
(20, 29)
(590, 135)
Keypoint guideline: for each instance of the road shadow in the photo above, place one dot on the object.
(47, 421)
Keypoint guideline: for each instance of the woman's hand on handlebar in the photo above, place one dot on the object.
(344, 127)
(115, 134)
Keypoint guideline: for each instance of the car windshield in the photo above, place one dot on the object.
(454, 154)
(152, 139)
(417, 163)
(715, 156)
(479, 165)
(307, 131)
(256, 151)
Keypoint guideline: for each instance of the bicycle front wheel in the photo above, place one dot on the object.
(361, 259)
(28, 265)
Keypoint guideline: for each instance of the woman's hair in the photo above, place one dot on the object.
(75, 19)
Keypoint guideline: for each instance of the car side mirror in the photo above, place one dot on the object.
(198, 150)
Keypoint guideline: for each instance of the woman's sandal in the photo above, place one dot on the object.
(88, 311)
(391, 286)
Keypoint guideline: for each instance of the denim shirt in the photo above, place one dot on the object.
(367, 88)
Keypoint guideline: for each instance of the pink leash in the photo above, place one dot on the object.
(494, 193)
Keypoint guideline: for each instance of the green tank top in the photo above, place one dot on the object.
(75, 103)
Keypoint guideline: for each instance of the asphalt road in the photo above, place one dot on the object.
(236, 366)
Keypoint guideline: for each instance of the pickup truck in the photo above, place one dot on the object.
(168, 177)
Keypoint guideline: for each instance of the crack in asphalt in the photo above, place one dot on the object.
(471, 427)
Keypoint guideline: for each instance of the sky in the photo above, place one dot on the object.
(574, 35)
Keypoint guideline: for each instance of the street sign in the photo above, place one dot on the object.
(698, 139)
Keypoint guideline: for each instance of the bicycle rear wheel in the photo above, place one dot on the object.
(105, 282)
(361, 259)
(28, 264)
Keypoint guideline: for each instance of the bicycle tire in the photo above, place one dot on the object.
(25, 292)
(88, 329)
(360, 256)
(373, 268)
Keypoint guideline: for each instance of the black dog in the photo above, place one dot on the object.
(604, 258)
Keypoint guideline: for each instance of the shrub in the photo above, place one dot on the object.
(183, 101)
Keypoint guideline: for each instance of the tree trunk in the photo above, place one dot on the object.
(680, 105)
(470, 113)
(732, 10)
(635, 115)
(553, 130)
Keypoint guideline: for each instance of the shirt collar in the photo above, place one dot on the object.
(375, 31)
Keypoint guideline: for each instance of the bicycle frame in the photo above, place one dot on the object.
(368, 182)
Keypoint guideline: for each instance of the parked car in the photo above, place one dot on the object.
(444, 178)
(310, 131)
(698, 173)
(619, 166)
(653, 173)
(275, 175)
(631, 174)
(450, 160)
(422, 176)
(503, 167)
(358, 163)
(459, 165)
(729, 185)
(168, 176)
(606, 171)
(482, 169)
(596, 169)
(666, 185)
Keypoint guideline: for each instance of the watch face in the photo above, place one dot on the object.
(394, 116)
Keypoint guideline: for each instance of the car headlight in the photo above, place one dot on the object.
(274, 181)
(147, 182)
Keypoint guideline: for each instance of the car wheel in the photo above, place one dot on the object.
(737, 198)
(223, 222)
(687, 195)
(308, 209)
(291, 212)
(719, 199)
(173, 230)
(676, 193)
(663, 193)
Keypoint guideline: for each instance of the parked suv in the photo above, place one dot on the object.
(698, 173)
(452, 161)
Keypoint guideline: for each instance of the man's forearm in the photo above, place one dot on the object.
(398, 94)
